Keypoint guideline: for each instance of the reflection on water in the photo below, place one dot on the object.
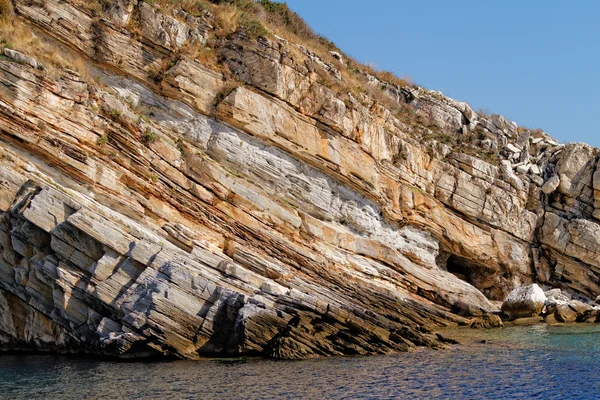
(535, 361)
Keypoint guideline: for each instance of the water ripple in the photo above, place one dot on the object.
(518, 362)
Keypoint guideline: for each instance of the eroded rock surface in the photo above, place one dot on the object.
(152, 205)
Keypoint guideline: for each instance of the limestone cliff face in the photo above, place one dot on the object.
(151, 207)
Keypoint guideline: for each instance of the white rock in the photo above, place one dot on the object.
(337, 56)
(524, 301)
(513, 148)
(551, 184)
(537, 180)
(534, 169)
(509, 176)
(273, 288)
(556, 296)
(523, 169)
(280, 39)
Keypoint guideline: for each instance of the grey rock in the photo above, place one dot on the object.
(22, 58)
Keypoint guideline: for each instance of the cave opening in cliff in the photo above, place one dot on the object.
(459, 267)
(473, 273)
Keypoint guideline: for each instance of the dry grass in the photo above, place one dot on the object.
(19, 36)
(226, 19)
(6, 10)
(257, 18)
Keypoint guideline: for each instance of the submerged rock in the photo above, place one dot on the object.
(487, 321)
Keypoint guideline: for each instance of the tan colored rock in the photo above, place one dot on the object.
(564, 313)
(194, 83)
(551, 184)
(486, 321)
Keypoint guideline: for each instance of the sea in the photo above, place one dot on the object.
(538, 361)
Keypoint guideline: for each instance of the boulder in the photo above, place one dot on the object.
(512, 148)
(589, 316)
(337, 56)
(523, 169)
(523, 143)
(579, 307)
(564, 313)
(570, 311)
(538, 180)
(525, 301)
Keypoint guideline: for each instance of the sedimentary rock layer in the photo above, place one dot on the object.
(152, 205)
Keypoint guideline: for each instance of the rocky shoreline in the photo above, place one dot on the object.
(526, 304)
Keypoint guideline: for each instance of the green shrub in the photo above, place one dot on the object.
(254, 28)
(150, 137)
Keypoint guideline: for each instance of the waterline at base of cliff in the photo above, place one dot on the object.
(516, 361)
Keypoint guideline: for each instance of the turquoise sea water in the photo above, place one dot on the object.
(539, 361)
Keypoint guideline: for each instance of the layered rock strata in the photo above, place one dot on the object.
(151, 205)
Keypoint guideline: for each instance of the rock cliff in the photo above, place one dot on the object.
(171, 186)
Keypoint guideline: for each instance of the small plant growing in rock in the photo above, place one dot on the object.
(102, 140)
(115, 113)
(150, 136)
(154, 177)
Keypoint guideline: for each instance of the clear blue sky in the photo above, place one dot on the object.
(535, 62)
